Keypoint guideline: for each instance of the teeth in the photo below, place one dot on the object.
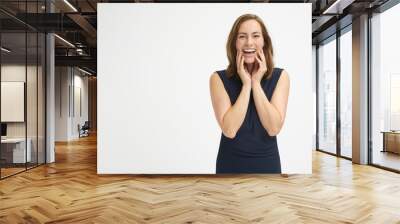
(249, 50)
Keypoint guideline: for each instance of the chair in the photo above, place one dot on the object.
(84, 130)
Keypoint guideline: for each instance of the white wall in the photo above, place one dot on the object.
(80, 83)
(61, 103)
(68, 80)
(154, 63)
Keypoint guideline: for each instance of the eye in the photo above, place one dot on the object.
(241, 37)
(256, 36)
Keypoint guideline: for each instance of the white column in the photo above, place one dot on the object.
(50, 91)
(360, 90)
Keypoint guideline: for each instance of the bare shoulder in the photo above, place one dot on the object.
(214, 76)
(215, 79)
(284, 78)
(284, 75)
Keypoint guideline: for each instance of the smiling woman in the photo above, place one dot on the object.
(249, 100)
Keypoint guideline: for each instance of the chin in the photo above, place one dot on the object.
(249, 61)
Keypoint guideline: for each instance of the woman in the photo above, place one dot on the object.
(249, 100)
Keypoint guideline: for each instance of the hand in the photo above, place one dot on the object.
(242, 70)
(261, 67)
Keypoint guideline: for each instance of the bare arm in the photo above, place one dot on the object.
(272, 114)
(229, 117)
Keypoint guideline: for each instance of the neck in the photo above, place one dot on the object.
(250, 68)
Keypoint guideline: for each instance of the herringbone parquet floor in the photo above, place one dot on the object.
(70, 191)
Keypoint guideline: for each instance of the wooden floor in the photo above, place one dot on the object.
(387, 159)
(70, 191)
(9, 171)
(5, 172)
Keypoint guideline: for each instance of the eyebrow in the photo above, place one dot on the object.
(252, 33)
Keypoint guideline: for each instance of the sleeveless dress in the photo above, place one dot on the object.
(252, 150)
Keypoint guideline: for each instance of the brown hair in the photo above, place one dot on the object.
(231, 45)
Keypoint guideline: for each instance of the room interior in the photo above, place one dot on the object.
(48, 171)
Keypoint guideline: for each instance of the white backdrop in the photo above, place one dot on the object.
(154, 63)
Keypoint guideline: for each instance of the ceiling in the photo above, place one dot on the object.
(76, 22)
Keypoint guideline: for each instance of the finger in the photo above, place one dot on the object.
(262, 55)
(259, 62)
(237, 59)
(258, 56)
(262, 59)
(247, 73)
(241, 60)
(238, 63)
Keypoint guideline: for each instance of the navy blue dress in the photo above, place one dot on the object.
(252, 150)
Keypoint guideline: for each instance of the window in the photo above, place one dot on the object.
(346, 94)
(327, 97)
(385, 89)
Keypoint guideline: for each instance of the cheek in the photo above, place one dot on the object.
(238, 45)
(260, 43)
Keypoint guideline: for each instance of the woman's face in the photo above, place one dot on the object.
(249, 39)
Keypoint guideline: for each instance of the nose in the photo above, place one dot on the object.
(249, 42)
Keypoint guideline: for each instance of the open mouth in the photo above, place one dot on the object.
(249, 51)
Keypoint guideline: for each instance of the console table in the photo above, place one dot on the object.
(13, 150)
(391, 141)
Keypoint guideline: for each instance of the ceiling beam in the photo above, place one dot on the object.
(337, 6)
(85, 61)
